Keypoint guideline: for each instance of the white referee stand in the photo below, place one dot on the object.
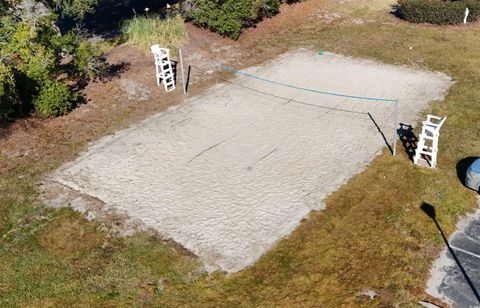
(428, 140)
(163, 67)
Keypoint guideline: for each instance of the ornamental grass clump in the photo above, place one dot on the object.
(144, 31)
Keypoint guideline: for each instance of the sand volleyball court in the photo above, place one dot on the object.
(230, 173)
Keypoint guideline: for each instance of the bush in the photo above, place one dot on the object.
(438, 12)
(267, 8)
(54, 99)
(229, 17)
(3, 7)
(143, 31)
(76, 9)
(224, 17)
(88, 61)
(39, 66)
(34, 55)
(7, 92)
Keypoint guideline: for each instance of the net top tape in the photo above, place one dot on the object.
(232, 70)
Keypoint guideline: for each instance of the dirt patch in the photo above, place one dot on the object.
(61, 237)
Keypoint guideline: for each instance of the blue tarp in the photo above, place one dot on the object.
(473, 175)
(475, 167)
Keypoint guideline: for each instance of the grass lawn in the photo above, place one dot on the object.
(371, 236)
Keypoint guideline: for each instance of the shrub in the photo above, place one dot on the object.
(143, 31)
(39, 66)
(224, 17)
(7, 92)
(34, 55)
(228, 17)
(267, 8)
(88, 61)
(438, 12)
(76, 9)
(3, 7)
(54, 99)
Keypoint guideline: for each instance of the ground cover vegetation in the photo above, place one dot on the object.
(231, 16)
(227, 18)
(38, 64)
(371, 236)
(439, 12)
(144, 31)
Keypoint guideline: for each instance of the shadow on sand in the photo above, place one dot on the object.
(291, 100)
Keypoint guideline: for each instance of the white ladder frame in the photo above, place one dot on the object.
(431, 133)
(163, 67)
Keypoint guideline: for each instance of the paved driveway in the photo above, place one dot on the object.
(447, 281)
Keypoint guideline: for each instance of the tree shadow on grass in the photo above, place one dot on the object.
(111, 71)
(114, 70)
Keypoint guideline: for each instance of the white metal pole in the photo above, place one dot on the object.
(183, 73)
(395, 126)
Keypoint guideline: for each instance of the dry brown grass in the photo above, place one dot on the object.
(61, 237)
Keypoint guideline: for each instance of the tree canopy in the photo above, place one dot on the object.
(36, 59)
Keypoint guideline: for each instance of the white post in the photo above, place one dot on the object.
(395, 126)
(183, 73)
(467, 11)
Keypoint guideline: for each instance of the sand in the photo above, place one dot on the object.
(230, 173)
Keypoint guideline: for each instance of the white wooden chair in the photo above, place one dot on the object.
(163, 67)
(428, 140)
